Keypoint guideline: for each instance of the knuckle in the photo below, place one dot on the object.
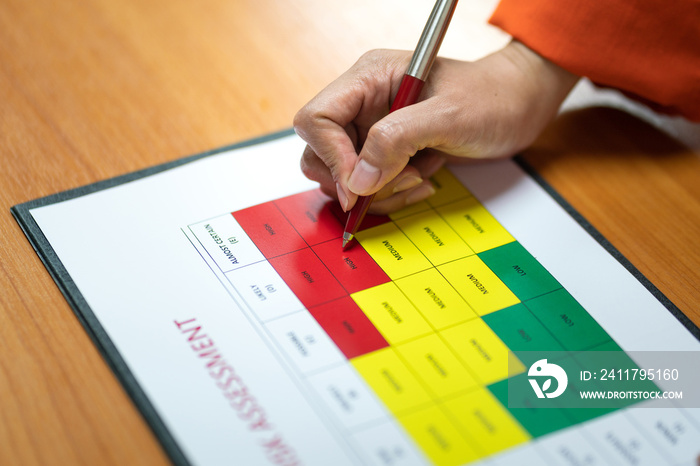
(303, 120)
(299, 118)
(388, 137)
(372, 56)
(384, 134)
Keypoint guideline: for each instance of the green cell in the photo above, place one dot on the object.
(521, 272)
(536, 420)
(575, 409)
(521, 331)
(567, 320)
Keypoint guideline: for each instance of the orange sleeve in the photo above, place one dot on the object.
(649, 49)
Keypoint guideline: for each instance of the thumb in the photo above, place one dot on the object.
(390, 144)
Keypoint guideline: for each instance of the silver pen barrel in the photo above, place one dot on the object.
(430, 40)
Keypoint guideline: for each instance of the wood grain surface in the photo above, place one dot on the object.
(93, 89)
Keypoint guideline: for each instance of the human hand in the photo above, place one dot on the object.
(493, 107)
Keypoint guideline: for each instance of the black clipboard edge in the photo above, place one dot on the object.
(77, 302)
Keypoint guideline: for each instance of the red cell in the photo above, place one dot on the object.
(354, 268)
(310, 214)
(348, 327)
(269, 229)
(307, 277)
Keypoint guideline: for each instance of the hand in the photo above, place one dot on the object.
(493, 107)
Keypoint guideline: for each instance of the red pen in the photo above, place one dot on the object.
(411, 85)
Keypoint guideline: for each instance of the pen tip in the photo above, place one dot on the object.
(347, 237)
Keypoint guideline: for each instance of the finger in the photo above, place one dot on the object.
(428, 162)
(403, 199)
(409, 178)
(316, 170)
(421, 167)
(391, 143)
(330, 154)
(350, 104)
(329, 123)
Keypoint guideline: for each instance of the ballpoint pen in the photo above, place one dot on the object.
(409, 90)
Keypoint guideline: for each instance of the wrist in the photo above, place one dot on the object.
(537, 88)
(547, 75)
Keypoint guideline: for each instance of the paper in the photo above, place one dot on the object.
(222, 287)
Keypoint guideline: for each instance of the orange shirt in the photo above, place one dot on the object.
(649, 49)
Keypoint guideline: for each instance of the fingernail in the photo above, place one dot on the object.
(420, 193)
(407, 183)
(342, 197)
(363, 178)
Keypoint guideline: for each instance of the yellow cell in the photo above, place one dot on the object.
(392, 250)
(434, 237)
(410, 210)
(436, 299)
(478, 285)
(391, 313)
(482, 351)
(475, 224)
(391, 380)
(436, 365)
(483, 418)
(447, 188)
(438, 437)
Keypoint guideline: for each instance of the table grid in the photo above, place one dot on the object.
(415, 323)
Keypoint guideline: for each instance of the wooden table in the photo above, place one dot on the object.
(93, 89)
